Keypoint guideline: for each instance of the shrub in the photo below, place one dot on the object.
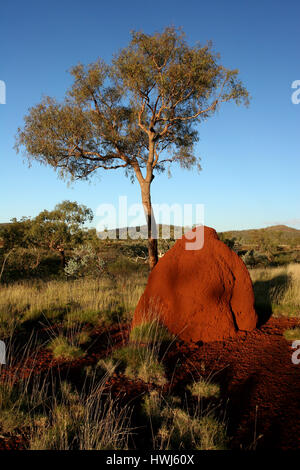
(85, 261)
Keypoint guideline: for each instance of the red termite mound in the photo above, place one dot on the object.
(199, 295)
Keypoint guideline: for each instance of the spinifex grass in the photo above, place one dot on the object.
(141, 358)
(278, 289)
(87, 300)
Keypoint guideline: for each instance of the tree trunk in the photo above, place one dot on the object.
(62, 258)
(151, 225)
(5, 258)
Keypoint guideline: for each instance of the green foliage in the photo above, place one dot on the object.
(81, 421)
(147, 102)
(141, 114)
(230, 242)
(57, 229)
(75, 317)
(175, 428)
(141, 359)
(150, 332)
(180, 431)
(62, 349)
(24, 242)
(252, 258)
(271, 246)
(85, 261)
(14, 234)
(140, 362)
(123, 265)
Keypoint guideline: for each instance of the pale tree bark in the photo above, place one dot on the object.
(151, 224)
(145, 185)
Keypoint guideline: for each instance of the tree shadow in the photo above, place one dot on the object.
(265, 291)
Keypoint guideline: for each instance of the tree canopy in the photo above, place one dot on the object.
(141, 112)
(57, 229)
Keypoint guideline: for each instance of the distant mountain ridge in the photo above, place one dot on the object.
(142, 232)
(276, 234)
(281, 228)
(282, 233)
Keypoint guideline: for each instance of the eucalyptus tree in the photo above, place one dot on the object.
(13, 235)
(60, 228)
(140, 113)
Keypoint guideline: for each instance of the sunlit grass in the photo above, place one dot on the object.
(86, 300)
(278, 289)
(179, 428)
(292, 334)
(204, 389)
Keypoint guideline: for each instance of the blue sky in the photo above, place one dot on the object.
(250, 156)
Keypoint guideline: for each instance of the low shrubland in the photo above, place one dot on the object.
(62, 316)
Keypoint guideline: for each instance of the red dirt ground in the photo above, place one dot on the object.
(259, 380)
(260, 386)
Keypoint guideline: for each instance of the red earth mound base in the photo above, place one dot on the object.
(259, 383)
(200, 295)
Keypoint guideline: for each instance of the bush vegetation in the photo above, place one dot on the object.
(45, 307)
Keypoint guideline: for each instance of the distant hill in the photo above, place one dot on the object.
(281, 228)
(169, 231)
(276, 234)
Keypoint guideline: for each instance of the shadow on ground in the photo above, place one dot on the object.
(265, 291)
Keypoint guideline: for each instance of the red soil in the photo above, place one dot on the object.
(200, 295)
(259, 380)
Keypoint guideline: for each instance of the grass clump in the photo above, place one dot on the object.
(182, 431)
(204, 389)
(140, 363)
(62, 349)
(174, 428)
(141, 358)
(108, 366)
(82, 421)
(151, 332)
(292, 334)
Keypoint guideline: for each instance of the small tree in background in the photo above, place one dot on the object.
(60, 228)
(141, 113)
(13, 235)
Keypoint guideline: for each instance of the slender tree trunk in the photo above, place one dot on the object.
(62, 258)
(151, 225)
(5, 258)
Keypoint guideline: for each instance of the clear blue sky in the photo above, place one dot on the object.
(250, 157)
